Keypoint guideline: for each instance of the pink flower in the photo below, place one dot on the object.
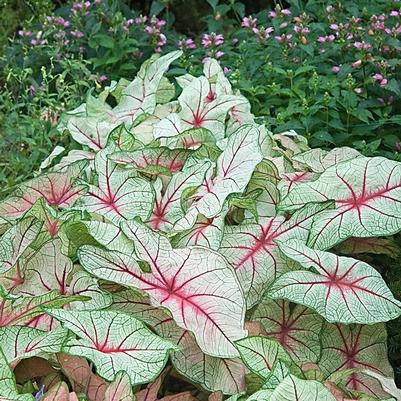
(271, 14)
(219, 54)
(226, 70)
(322, 39)
(102, 78)
(286, 12)
(383, 82)
(336, 69)
(283, 38)
(394, 13)
(219, 40)
(377, 77)
(249, 22)
(284, 24)
(334, 27)
(141, 19)
(207, 41)
(77, 34)
(186, 44)
(356, 64)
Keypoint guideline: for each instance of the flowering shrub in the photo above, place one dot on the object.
(182, 242)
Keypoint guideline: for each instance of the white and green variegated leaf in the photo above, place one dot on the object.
(8, 387)
(120, 195)
(168, 206)
(16, 240)
(318, 160)
(200, 108)
(205, 232)
(367, 193)
(195, 284)
(114, 341)
(261, 354)
(295, 389)
(234, 170)
(140, 95)
(213, 374)
(90, 131)
(20, 342)
(155, 161)
(341, 289)
(356, 346)
(252, 251)
(297, 329)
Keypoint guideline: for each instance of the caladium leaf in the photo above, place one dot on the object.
(44, 270)
(388, 384)
(153, 161)
(297, 329)
(27, 310)
(198, 110)
(318, 160)
(379, 246)
(120, 389)
(342, 290)
(23, 342)
(194, 283)
(190, 139)
(205, 232)
(367, 195)
(294, 389)
(261, 354)
(356, 346)
(59, 392)
(252, 251)
(89, 131)
(120, 195)
(58, 190)
(234, 170)
(115, 341)
(16, 240)
(140, 95)
(8, 387)
(168, 207)
(227, 375)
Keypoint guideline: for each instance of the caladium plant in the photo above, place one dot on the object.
(184, 243)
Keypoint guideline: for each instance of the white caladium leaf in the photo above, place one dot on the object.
(58, 150)
(29, 310)
(190, 139)
(16, 240)
(45, 270)
(341, 289)
(168, 208)
(115, 341)
(261, 354)
(356, 346)
(89, 131)
(120, 389)
(294, 389)
(252, 251)
(318, 160)
(155, 161)
(291, 180)
(297, 329)
(265, 177)
(388, 384)
(58, 190)
(205, 232)
(24, 342)
(213, 374)
(140, 95)
(8, 386)
(194, 283)
(234, 170)
(74, 156)
(83, 284)
(110, 236)
(143, 131)
(120, 195)
(199, 109)
(367, 192)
